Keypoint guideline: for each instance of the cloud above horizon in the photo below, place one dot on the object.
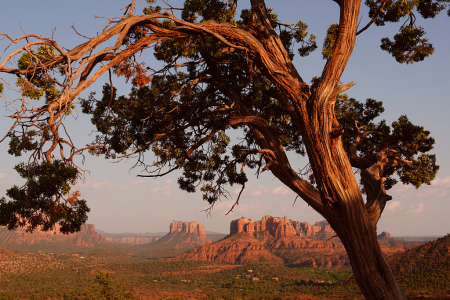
(439, 187)
(255, 191)
(2, 175)
(223, 207)
(392, 206)
(416, 208)
(105, 185)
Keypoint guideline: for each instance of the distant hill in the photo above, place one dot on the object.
(418, 238)
(425, 269)
(104, 233)
(53, 241)
(386, 239)
(279, 240)
(134, 238)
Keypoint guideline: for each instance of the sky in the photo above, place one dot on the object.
(122, 202)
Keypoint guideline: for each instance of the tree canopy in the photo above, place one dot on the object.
(222, 72)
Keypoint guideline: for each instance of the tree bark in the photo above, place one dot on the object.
(342, 202)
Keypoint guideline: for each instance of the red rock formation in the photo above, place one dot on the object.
(279, 240)
(239, 248)
(190, 227)
(86, 237)
(281, 227)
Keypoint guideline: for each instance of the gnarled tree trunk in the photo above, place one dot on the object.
(341, 201)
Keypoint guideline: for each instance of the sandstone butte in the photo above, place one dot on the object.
(176, 226)
(279, 240)
(190, 227)
(86, 237)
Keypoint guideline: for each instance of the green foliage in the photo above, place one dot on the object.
(40, 201)
(330, 41)
(30, 89)
(104, 288)
(410, 142)
(408, 45)
(393, 11)
(300, 35)
(422, 271)
(208, 10)
(38, 84)
(22, 143)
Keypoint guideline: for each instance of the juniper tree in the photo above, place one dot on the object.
(223, 72)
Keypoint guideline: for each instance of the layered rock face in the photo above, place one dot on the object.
(281, 227)
(237, 249)
(86, 237)
(190, 227)
(279, 240)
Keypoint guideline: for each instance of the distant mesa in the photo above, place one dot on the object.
(281, 240)
(21, 240)
(190, 227)
(181, 235)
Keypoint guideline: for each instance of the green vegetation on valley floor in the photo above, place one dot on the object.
(31, 275)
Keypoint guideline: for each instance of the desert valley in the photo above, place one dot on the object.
(272, 258)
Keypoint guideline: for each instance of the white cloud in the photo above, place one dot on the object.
(242, 208)
(109, 186)
(255, 193)
(416, 208)
(441, 182)
(133, 185)
(432, 193)
(168, 181)
(440, 187)
(392, 206)
(99, 185)
(281, 190)
(154, 190)
(2, 175)
(401, 191)
(160, 189)
(237, 191)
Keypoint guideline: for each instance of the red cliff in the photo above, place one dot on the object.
(279, 240)
(190, 227)
(86, 237)
(281, 227)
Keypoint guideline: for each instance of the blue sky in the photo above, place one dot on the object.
(121, 202)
